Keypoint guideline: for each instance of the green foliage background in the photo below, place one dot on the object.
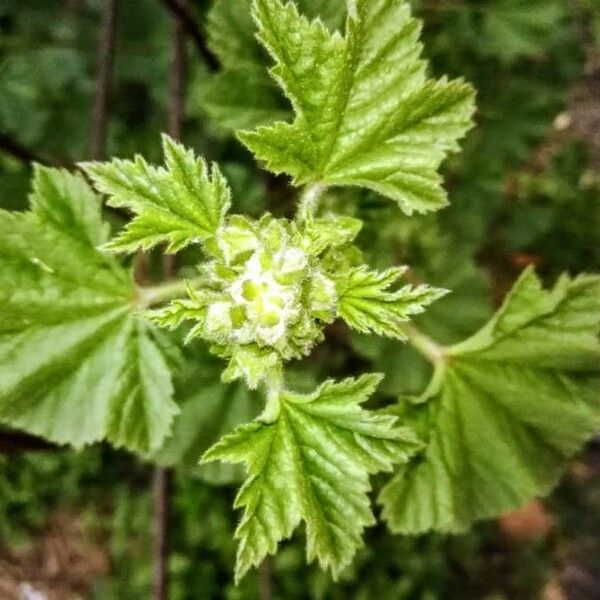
(523, 191)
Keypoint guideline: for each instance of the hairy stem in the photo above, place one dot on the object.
(351, 6)
(427, 347)
(309, 200)
(274, 387)
(160, 294)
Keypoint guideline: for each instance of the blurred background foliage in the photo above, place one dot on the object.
(525, 190)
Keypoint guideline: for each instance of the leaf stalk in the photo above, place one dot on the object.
(147, 297)
(426, 346)
(274, 388)
(309, 200)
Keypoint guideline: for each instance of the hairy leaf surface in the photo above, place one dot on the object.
(365, 112)
(242, 95)
(510, 405)
(179, 204)
(75, 365)
(367, 305)
(312, 464)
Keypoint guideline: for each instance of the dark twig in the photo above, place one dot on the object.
(162, 501)
(106, 55)
(163, 477)
(14, 148)
(181, 11)
(177, 78)
(265, 577)
(17, 150)
(15, 441)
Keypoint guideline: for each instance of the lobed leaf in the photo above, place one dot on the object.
(312, 464)
(76, 365)
(241, 94)
(365, 112)
(179, 204)
(505, 411)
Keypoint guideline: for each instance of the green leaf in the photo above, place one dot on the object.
(331, 232)
(179, 204)
(367, 305)
(365, 112)
(209, 410)
(241, 99)
(505, 410)
(516, 28)
(76, 365)
(242, 95)
(312, 464)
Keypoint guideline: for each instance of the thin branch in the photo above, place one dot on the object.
(106, 56)
(17, 150)
(16, 441)
(265, 579)
(177, 79)
(162, 501)
(182, 12)
(163, 477)
(177, 84)
(11, 146)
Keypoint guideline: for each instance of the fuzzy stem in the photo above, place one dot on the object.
(351, 7)
(427, 347)
(309, 200)
(274, 387)
(152, 296)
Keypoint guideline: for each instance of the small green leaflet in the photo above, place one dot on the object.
(331, 232)
(505, 410)
(76, 366)
(179, 204)
(366, 113)
(367, 305)
(312, 464)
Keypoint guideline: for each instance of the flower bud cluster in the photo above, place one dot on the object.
(269, 294)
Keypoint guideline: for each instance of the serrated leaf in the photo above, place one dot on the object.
(242, 95)
(367, 305)
(312, 464)
(365, 112)
(505, 411)
(179, 204)
(76, 366)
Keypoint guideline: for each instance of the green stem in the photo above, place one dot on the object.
(429, 348)
(160, 294)
(309, 200)
(274, 387)
(351, 7)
